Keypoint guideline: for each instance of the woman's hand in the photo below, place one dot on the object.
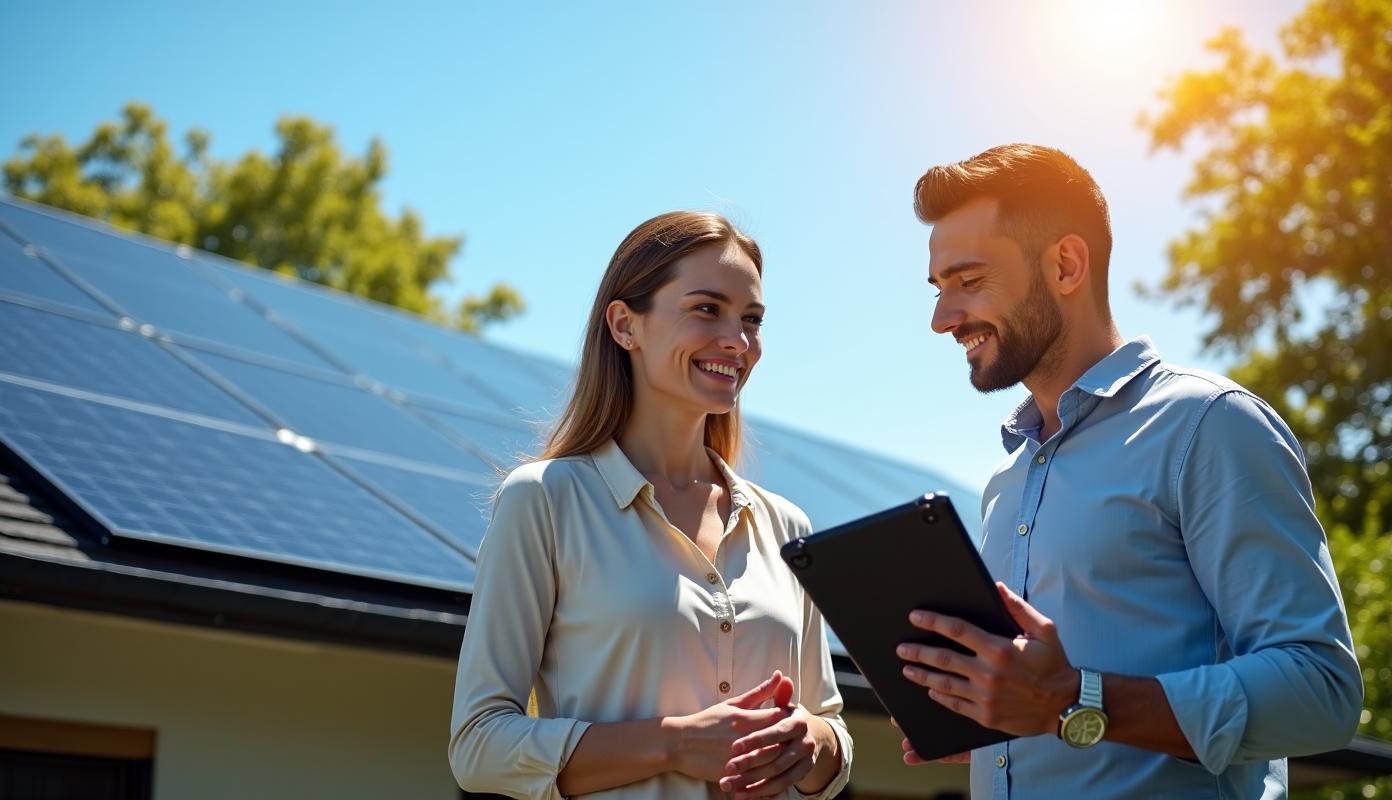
(703, 740)
(785, 754)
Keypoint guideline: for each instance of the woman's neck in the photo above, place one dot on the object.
(662, 441)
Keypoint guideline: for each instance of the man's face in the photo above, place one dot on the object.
(992, 297)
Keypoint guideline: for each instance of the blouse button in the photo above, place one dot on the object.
(725, 626)
(712, 578)
(724, 687)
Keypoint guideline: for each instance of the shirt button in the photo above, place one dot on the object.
(724, 687)
(1041, 459)
(725, 627)
(1000, 761)
(712, 578)
(1023, 529)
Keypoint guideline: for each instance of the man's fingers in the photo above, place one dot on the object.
(939, 658)
(943, 682)
(1025, 615)
(759, 694)
(960, 631)
(911, 756)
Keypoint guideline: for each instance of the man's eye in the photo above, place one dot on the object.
(968, 283)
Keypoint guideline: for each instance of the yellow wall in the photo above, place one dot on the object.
(238, 715)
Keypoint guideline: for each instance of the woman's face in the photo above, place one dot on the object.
(699, 341)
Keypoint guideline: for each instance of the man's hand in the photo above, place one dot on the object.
(1019, 686)
(912, 758)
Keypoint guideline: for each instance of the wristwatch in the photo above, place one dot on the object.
(1084, 723)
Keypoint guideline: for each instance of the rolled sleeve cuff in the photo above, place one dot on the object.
(1211, 707)
(565, 734)
(843, 774)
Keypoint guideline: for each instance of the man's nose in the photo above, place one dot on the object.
(946, 317)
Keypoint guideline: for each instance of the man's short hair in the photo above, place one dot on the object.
(1043, 195)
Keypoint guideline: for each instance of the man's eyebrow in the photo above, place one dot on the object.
(960, 266)
(721, 296)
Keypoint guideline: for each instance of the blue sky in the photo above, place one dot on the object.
(543, 132)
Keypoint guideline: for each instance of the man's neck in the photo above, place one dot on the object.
(1069, 360)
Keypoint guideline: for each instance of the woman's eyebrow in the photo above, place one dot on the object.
(722, 297)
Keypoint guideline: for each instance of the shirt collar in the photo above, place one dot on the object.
(1103, 379)
(625, 482)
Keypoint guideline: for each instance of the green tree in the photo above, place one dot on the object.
(1292, 264)
(305, 210)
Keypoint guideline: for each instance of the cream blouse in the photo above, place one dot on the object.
(586, 592)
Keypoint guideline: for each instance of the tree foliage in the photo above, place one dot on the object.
(305, 210)
(1292, 263)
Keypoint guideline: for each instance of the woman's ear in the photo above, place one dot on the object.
(623, 324)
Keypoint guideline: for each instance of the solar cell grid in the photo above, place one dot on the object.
(24, 273)
(457, 506)
(227, 490)
(335, 411)
(107, 359)
(152, 283)
(403, 352)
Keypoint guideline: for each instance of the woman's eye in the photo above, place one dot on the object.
(755, 320)
(707, 308)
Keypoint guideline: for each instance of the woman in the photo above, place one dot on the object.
(633, 580)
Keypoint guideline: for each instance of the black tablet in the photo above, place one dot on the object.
(867, 575)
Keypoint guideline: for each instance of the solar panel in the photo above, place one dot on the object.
(333, 410)
(394, 348)
(225, 489)
(506, 443)
(154, 284)
(457, 505)
(105, 358)
(22, 272)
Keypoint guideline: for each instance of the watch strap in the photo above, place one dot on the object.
(1090, 689)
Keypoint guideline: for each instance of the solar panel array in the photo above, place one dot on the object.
(181, 398)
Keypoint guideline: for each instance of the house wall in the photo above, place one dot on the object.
(237, 715)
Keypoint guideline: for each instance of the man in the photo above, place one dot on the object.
(1152, 527)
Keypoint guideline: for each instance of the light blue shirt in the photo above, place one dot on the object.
(1168, 528)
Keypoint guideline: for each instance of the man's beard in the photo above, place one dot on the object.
(1024, 339)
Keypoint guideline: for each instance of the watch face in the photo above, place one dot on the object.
(1084, 727)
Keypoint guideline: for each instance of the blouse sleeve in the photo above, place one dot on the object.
(494, 746)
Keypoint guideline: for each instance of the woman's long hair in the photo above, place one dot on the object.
(602, 401)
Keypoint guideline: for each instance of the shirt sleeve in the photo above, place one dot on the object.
(1246, 511)
(819, 693)
(494, 746)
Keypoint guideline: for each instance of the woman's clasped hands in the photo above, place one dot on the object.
(751, 751)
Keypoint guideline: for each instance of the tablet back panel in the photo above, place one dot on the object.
(867, 575)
